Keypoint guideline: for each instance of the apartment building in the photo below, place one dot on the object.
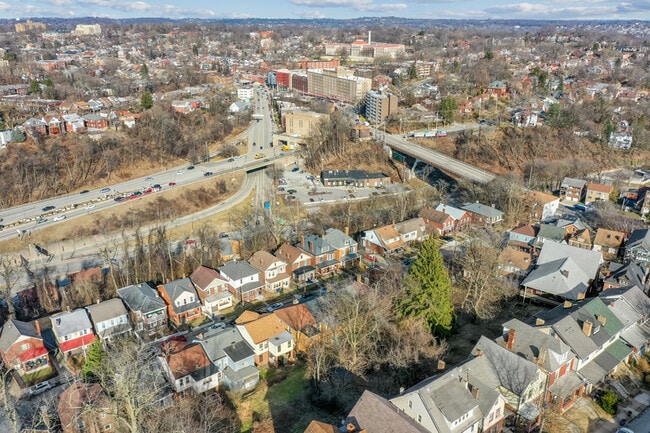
(379, 106)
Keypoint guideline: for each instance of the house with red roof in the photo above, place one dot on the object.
(22, 348)
(72, 330)
(212, 288)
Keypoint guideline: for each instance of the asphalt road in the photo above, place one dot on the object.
(32, 216)
(436, 159)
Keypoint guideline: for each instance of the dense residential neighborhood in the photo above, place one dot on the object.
(372, 226)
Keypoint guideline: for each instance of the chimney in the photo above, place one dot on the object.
(346, 230)
(565, 273)
(441, 365)
(602, 319)
(478, 352)
(539, 322)
(369, 37)
(350, 428)
(587, 326)
(568, 304)
(475, 393)
(511, 339)
(581, 296)
(37, 325)
(401, 390)
(358, 278)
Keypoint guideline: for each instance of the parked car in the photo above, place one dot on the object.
(274, 307)
(231, 159)
(191, 167)
(41, 220)
(218, 325)
(148, 179)
(292, 191)
(39, 388)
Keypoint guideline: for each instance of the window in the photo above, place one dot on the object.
(420, 418)
(410, 404)
(24, 347)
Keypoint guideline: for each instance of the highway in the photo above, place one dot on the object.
(435, 159)
(36, 216)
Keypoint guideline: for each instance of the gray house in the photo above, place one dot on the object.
(234, 358)
(147, 308)
(243, 278)
(482, 214)
(637, 247)
(109, 318)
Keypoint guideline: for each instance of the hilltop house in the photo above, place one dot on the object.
(273, 271)
(243, 279)
(182, 301)
(22, 348)
(72, 330)
(147, 308)
(212, 289)
(109, 318)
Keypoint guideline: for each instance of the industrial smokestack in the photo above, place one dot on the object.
(369, 37)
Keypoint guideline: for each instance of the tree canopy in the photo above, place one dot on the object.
(428, 290)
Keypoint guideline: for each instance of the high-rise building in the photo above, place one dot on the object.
(379, 106)
(338, 83)
(30, 26)
(88, 29)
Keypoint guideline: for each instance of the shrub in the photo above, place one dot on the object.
(609, 402)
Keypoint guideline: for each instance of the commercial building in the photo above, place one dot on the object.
(29, 26)
(338, 83)
(88, 29)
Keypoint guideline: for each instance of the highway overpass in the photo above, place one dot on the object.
(442, 162)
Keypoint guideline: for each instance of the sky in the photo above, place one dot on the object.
(433, 9)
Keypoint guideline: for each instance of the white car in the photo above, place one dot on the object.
(39, 388)
(58, 218)
(179, 172)
(90, 206)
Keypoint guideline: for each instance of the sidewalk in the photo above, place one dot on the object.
(639, 406)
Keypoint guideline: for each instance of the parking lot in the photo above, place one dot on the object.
(300, 186)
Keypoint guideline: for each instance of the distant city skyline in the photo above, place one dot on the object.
(338, 9)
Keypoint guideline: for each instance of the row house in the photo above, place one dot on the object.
(182, 301)
(85, 408)
(212, 289)
(243, 280)
(563, 385)
(21, 347)
(345, 248)
(608, 242)
(147, 310)
(299, 262)
(268, 336)
(110, 318)
(72, 330)
(593, 332)
(95, 121)
(322, 253)
(383, 240)
(632, 307)
(461, 217)
(273, 270)
(302, 325)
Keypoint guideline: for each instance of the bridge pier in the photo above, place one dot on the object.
(415, 164)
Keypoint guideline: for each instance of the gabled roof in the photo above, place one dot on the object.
(576, 222)
(203, 276)
(227, 342)
(639, 238)
(599, 187)
(237, 270)
(290, 253)
(264, 328)
(388, 233)
(561, 277)
(483, 210)
(70, 322)
(190, 359)
(569, 182)
(588, 261)
(497, 365)
(629, 304)
(297, 317)
(453, 212)
(434, 215)
(533, 344)
(541, 197)
(338, 239)
(178, 288)
(410, 225)
(321, 427)
(375, 414)
(525, 230)
(77, 398)
(106, 310)
(13, 330)
(315, 245)
(551, 232)
(141, 297)
(609, 238)
(263, 260)
(625, 274)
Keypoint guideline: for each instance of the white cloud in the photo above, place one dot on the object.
(309, 14)
(544, 11)
(387, 7)
(4, 6)
(354, 4)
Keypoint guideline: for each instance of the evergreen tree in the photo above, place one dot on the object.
(428, 290)
(95, 360)
(448, 107)
(34, 87)
(146, 100)
(17, 136)
(144, 71)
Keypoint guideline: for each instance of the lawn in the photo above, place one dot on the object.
(38, 376)
(268, 405)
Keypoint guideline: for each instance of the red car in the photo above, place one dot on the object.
(371, 257)
(172, 183)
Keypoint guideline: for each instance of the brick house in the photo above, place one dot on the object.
(441, 222)
(273, 270)
(299, 262)
(597, 192)
(182, 301)
(571, 189)
(22, 348)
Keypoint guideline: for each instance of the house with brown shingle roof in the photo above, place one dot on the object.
(515, 262)
(188, 366)
(299, 262)
(273, 271)
(84, 407)
(581, 239)
(321, 427)
(270, 339)
(441, 222)
(212, 288)
(383, 240)
(608, 242)
(301, 323)
(412, 230)
(541, 206)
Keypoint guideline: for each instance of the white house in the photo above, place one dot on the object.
(273, 270)
(110, 318)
